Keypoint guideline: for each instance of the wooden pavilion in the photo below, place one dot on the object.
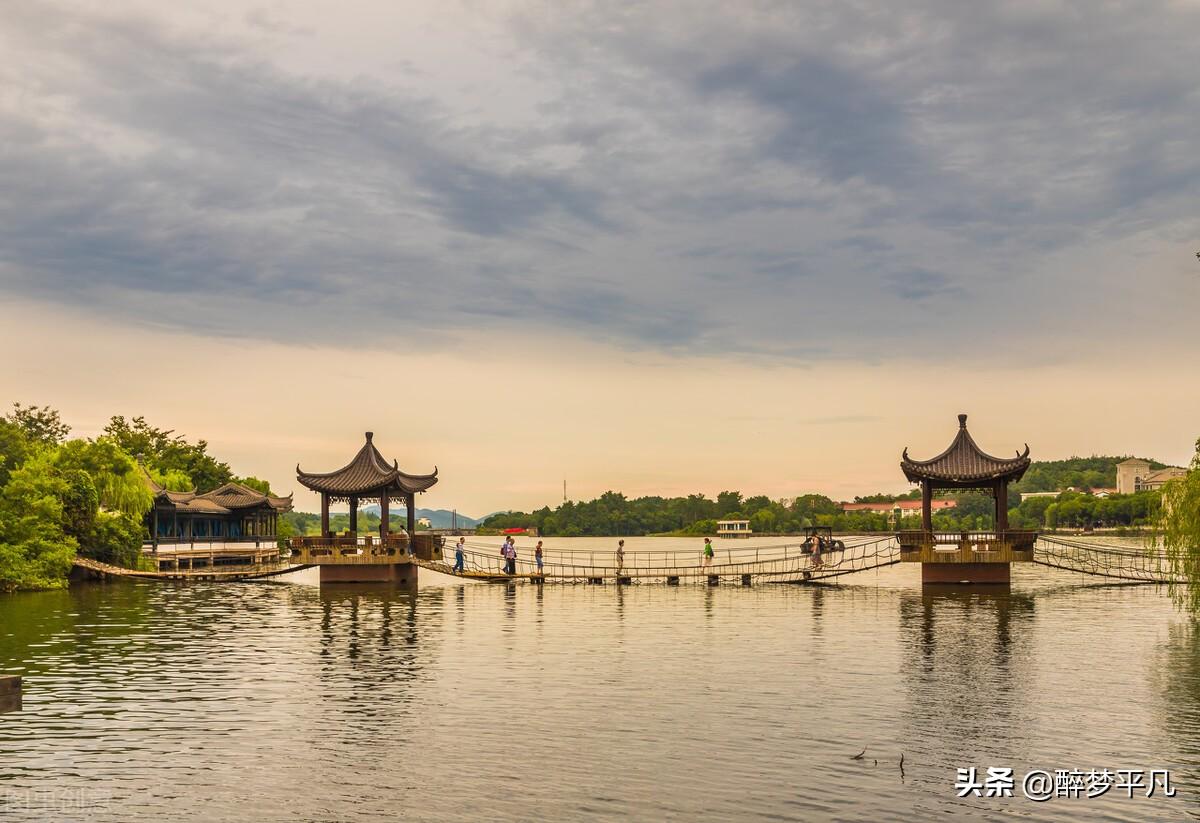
(368, 477)
(966, 557)
(233, 524)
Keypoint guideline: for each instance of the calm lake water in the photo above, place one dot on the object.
(280, 702)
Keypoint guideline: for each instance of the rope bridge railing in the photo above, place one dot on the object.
(782, 563)
(1138, 564)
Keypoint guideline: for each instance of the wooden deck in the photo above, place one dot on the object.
(191, 556)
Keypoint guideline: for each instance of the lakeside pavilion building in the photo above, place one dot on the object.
(228, 525)
(966, 557)
(368, 477)
(229, 513)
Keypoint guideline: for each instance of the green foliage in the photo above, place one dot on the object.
(728, 503)
(166, 451)
(116, 538)
(299, 523)
(116, 476)
(172, 480)
(1076, 510)
(35, 550)
(81, 502)
(612, 514)
(700, 528)
(914, 494)
(14, 448)
(1084, 473)
(254, 483)
(1179, 522)
(40, 424)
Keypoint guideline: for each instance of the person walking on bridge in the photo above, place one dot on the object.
(537, 555)
(458, 555)
(708, 552)
(511, 554)
(620, 556)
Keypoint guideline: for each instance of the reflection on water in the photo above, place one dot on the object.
(518, 701)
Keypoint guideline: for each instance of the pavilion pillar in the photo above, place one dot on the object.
(926, 506)
(325, 515)
(353, 516)
(1001, 506)
(412, 515)
(384, 514)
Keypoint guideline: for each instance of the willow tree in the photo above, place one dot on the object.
(118, 480)
(1180, 528)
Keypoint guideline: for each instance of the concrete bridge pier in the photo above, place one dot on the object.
(397, 573)
(955, 573)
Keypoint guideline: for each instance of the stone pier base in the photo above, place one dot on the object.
(953, 573)
(399, 573)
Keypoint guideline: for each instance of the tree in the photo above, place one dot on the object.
(261, 486)
(1179, 521)
(35, 551)
(763, 520)
(41, 424)
(14, 448)
(166, 451)
(115, 538)
(118, 481)
(172, 480)
(728, 502)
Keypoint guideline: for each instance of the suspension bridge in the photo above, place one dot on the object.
(785, 563)
(746, 565)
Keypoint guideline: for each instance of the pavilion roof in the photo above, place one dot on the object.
(368, 474)
(237, 496)
(963, 463)
(223, 500)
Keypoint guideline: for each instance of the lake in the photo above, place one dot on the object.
(514, 702)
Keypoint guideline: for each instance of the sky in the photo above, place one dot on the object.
(661, 248)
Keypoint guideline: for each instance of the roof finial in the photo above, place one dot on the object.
(962, 421)
(369, 436)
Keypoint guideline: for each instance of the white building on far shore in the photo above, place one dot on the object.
(1135, 475)
(733, 528)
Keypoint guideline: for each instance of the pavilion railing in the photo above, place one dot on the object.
(365, 548)
(256, 539)
(1017, 540)
(350, 549)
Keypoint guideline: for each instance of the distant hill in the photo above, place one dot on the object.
(1095, 472)
(438, 518)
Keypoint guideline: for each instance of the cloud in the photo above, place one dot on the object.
(919, 284)
(800, 182)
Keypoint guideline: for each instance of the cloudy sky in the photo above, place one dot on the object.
(661, 248)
